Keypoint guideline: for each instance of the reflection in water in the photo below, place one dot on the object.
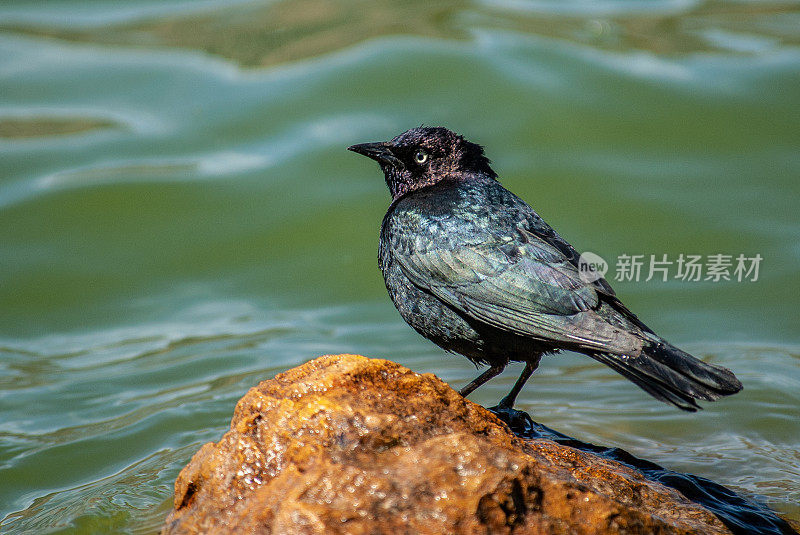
(205, 165)
(49, 126)
(258, 35)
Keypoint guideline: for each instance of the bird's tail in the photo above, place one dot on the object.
(673, 376)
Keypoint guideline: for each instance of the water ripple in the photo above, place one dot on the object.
(217, 231)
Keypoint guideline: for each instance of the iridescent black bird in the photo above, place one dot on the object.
(473, 268)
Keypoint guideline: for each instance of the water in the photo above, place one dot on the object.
(179, 218)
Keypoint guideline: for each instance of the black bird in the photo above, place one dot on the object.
(470, 266)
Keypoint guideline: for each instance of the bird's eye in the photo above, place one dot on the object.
(421, 156)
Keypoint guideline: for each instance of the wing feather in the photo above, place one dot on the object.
(525, 286)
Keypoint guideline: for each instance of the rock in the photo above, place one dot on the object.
(346, 444)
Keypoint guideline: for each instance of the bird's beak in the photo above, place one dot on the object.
(380, 152)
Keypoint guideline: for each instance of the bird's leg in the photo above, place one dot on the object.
(508, 401)
(482, 378)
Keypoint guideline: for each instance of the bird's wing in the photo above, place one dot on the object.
(537, 226)
(518, 283)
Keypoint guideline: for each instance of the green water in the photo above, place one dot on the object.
(179, 218)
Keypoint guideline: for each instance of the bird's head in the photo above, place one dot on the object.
(424, 156)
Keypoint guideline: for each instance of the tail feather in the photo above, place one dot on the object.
(661, 392)
(673, 376)
(720, 379)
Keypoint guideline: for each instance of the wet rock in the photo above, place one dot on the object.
(346, 444)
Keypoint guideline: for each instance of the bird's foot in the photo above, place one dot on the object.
(520, 422)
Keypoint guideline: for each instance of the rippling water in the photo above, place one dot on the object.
(179, 218)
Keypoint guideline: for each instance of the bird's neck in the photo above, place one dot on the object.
(399, 188)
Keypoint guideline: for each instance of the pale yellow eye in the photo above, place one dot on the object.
(421, 156)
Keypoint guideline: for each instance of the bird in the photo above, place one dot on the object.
(473, 268)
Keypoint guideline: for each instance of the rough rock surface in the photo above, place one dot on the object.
(346, 444)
